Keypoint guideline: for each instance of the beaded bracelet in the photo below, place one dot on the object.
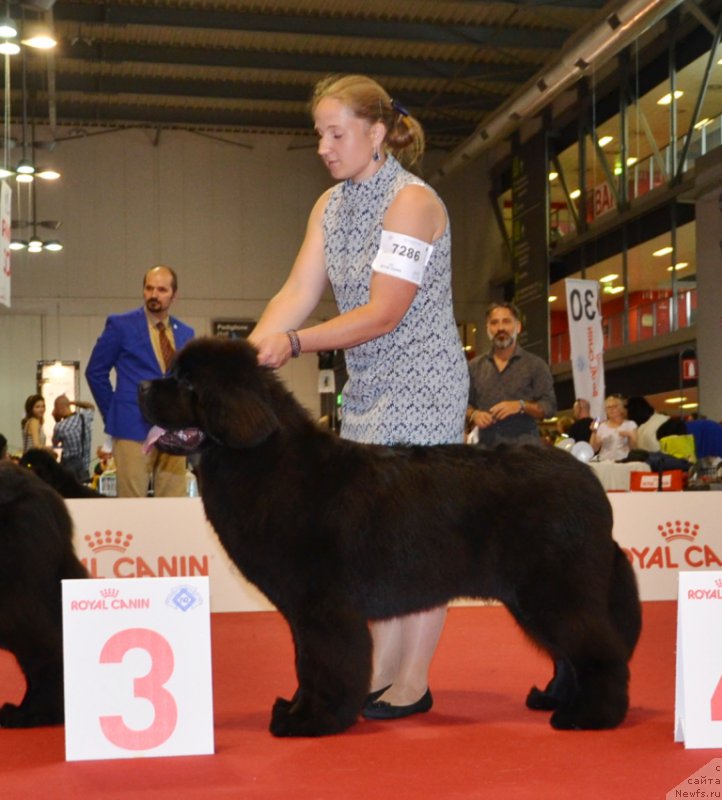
(295, 343)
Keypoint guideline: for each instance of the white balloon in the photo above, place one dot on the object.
(583, 451)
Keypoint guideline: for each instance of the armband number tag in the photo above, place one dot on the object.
(402, 256)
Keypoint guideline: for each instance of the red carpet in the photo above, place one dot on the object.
(479, 741)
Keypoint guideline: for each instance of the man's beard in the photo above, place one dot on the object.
(153, 304)
(502, 340)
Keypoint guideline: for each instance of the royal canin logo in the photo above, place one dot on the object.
(696, 555)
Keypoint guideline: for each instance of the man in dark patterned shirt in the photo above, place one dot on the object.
(510, 389)
(73, 432)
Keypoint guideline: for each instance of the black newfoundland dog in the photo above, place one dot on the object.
(36, 553)
(337, 534)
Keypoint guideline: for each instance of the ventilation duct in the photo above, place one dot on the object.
(595, 45)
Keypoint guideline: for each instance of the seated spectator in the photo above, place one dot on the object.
(641, 411)
(3, 448)
(580, 430)
(617, 435)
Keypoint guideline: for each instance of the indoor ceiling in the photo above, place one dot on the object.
(232, 65)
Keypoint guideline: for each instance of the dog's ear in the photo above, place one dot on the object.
(238, 419)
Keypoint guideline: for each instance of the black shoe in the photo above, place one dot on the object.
(372, 697)
(383, 710)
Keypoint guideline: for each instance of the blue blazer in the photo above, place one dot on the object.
(125, 345)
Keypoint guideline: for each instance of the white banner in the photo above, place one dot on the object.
(587, 342)
(6, 197)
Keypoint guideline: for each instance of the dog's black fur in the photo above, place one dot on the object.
(336, 534)
(63, 480)
(36, 553)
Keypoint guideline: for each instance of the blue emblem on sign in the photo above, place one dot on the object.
(581, 362)
(184, 598)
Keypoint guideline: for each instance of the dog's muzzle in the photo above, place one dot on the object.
(176, 443)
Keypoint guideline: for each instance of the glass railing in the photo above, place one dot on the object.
(642, 176)
(643, 322)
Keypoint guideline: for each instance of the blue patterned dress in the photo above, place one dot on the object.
(409, 386)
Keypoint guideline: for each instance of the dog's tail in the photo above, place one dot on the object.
(624, 605)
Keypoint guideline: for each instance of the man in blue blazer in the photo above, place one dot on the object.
(133, 345)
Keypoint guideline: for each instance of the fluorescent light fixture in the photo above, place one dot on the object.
(553, 176)
(663, 251)
(552, 298)
(703, 123)
(689, 405)
(609, 278)
(632, 160)
(673, 401)
(605, 140)
(576, 193)
(678, 266)
(614, 289)
(667, 99)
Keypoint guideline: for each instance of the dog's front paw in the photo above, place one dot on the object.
(12, 716)
(539, 700)
(299, 719)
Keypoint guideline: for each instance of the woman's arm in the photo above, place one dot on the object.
(33, 428)
(415, 212)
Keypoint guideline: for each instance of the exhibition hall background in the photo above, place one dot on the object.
(228, 216)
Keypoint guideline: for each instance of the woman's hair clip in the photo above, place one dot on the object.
(399, 109)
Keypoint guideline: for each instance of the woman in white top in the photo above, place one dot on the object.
(617, 435)
(32, 422)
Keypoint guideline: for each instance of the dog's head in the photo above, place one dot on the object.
(216, 390)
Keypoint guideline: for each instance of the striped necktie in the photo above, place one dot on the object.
(166, 348)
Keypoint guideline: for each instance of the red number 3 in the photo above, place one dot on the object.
(149, 687)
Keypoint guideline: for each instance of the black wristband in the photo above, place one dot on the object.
(295, 343)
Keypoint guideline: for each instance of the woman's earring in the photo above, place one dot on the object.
(376, 155)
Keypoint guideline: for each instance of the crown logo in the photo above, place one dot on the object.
(109, 540)
(718, 582)
(679, 529)
(109, 592)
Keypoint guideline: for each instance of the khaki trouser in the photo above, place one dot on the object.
(134, 471)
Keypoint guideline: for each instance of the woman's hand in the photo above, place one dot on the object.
(274, 350)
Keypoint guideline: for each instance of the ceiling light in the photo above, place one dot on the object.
(48, 174)
(39, 36)
(675, 400)
(609, 278)
(631, 161)
(53, 245)
(689, 405)
(24, 177)
(25, 167)
(605, 140)
(552, 298)
(677, 267)
(667, 99)
(576, 193)
(9, 48)
(18, 244)
(553, 176)
(6, 173)
(35, 247)
(663, 251)
(703, 123)
(613, 289)
(8, 29)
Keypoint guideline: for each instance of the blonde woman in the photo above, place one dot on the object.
(380, 238)
(617, 435)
